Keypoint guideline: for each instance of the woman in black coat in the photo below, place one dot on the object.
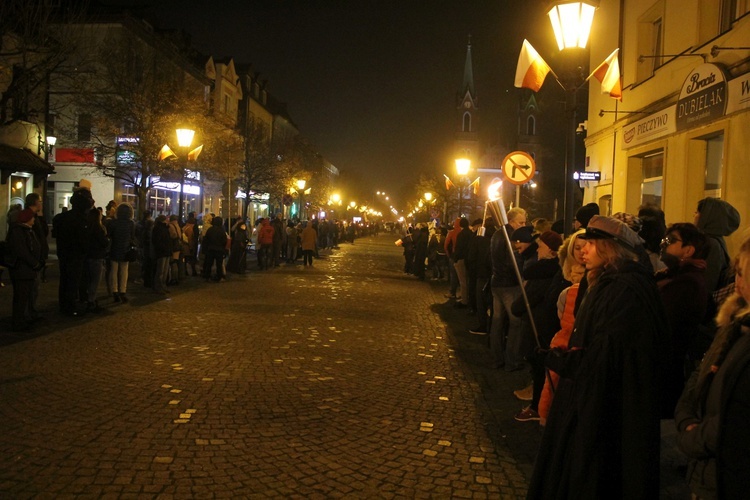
(602, 436)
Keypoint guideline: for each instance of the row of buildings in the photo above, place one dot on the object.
(96, 103)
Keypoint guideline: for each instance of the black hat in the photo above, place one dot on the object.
(610, 228)
(586, 212)
(523, 234)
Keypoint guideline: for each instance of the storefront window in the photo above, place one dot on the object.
(653, 171)
(714, 165)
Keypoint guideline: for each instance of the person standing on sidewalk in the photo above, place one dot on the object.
(25, 260)
(602, 437)
(308, 240)
(98, 246)
(459, 257)
(71, 232)
(215, 244)
(505, 328)
(121, 232)
(161, 252)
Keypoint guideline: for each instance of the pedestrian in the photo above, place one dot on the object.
(450, 246)
(215, 243)
(407, 243)
(175, 241)
(543, 285)
(292, 242)
(238, 252)
(308, 239)
(505, 329)
(121, 231)
(41, 230)
(24, 255)
(717, 219)
(584, 215)
(602, 436)
(96, 254)
(420, 252)
(143, 230)
(71, 232)
(459, 256)
(265, 241)
(483, 270)
(161, 253)
(190, 244)
(278, 239)
(714, 409)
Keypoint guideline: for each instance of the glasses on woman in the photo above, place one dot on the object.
(669, 239)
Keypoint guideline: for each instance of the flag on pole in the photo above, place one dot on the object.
(608, 74)
(448, 183)
(193, 155)
(475, 185)
(165, 153)
(532, 69)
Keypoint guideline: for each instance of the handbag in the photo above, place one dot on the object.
(132, 254)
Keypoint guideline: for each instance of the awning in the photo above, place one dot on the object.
(22, 160)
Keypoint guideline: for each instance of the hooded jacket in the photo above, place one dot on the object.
(717, 220)
(266, 233)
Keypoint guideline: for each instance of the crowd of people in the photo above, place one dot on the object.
(96, 245)
(624, 323)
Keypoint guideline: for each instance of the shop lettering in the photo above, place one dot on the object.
(696, 83)
(745, 87)
(652, 124)
(701, 103)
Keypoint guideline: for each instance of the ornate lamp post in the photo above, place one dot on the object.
(463, 165)
(571, 23)
(301, 183)
(184, 140)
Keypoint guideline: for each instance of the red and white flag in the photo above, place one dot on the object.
(475, 185)
(532, 69)
(448, 183)
(608, 74)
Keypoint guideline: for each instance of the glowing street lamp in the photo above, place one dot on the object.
(428, 196)
(184, 140)
(463, 165)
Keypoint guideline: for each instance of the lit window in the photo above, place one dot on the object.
(652, 168)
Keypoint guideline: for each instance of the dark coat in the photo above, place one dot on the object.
(122, 235)
(602, 436)
(719, 403)
(161, 243)
(71, 230)
(98, 242)
(24, 251)
(216, 239)
(540, 278)
(463, 241)
(503, 273)
(683, 291)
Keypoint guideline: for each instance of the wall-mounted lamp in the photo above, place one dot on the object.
(46, 146)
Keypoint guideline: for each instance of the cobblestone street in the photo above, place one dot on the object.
(342, 380)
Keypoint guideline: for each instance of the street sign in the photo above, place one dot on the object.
(519, 167)
(587, 176)
(287, 199)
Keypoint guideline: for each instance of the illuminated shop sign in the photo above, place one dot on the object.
(587, 176)
(703, 97)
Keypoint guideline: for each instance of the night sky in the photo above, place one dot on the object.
(373, 83)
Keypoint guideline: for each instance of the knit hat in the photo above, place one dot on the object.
(551, 239)
(523, 234)
(25, 215)
(610, 228)
(586, 212)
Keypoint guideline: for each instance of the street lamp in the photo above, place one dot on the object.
(463, 165)
(301, 183)
(571, 23)
(184, 140)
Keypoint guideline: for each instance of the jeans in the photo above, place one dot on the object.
(460, 267)
(96, 271)
(506, 345)
(160, 274)
(118, 276)
(453, 277)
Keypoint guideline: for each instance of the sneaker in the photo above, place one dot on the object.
(525, 394)
(527, 415)
(478, 331)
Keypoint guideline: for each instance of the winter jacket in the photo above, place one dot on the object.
(463, 240)
(24, 251)
(122, 235)
(308, 238)
(215, 239)
(160, 242)
(503, 272)
(265, 233)
(718, 401)
(602, 436)
(98, 242)
(717, 220)
(450, 240)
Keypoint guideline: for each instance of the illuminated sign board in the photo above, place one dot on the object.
(587, 176)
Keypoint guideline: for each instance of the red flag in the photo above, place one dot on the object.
(165, 153)
(193, 155)
(608, 74)
(531, 69)
(448, 183)
(475, 185)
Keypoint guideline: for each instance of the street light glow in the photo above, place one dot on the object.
(571, 22)
(428, 196)
(301, 183)
(185, 137)
(462, 166)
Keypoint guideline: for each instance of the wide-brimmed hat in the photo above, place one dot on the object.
(601, 227)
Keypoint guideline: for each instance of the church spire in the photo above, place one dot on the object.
(468, 85)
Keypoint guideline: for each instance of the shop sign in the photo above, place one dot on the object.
(739, 94)
(703, 97)
(587, 176)
(652, 127)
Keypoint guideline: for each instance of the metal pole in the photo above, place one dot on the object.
(182, 189)
(570, 158)
(518, 195)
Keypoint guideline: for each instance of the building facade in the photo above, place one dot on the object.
(680, 133)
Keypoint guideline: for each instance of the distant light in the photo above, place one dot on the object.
(463, 165)
(493, 192)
